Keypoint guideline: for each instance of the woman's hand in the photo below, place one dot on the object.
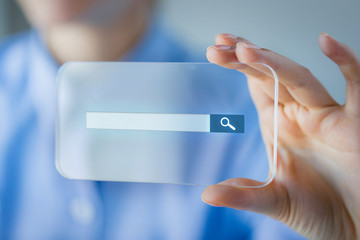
(317, 188)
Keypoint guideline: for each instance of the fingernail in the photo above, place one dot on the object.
(326, 35)
(229, 182)
(247, 45)
(221, 47)
(230, 36)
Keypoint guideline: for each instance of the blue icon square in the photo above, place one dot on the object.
(227, 123)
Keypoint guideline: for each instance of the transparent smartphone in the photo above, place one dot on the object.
(182, 123)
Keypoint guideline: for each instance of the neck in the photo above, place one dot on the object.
(81, 41)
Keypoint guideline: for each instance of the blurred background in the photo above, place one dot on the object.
(290, 27)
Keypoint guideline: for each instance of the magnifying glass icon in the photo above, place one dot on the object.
(225, 122)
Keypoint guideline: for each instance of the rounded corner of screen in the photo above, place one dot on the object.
(61, 170)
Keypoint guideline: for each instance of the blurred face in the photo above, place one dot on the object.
(46, 13)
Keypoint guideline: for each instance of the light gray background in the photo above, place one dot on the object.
(290, 27)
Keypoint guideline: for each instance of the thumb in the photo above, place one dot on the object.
(269, 200)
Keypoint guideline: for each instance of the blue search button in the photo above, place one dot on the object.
(227, 123)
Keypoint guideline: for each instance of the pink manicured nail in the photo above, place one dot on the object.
(247, 45)
(222, 47)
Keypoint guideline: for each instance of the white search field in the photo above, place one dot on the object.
(148, 121)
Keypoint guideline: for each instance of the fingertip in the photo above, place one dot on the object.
(339, 52)
(211, 53)
(229, 39)
(223, 195)
(219, 196)
(330, 46)
(326, 43)
(209, 197)
(222, 35)
(227, 36)
(325, 35)
(221, 54)
(247, 53)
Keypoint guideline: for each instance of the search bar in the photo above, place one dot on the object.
(165, 122)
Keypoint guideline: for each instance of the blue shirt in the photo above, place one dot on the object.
(37, 203)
